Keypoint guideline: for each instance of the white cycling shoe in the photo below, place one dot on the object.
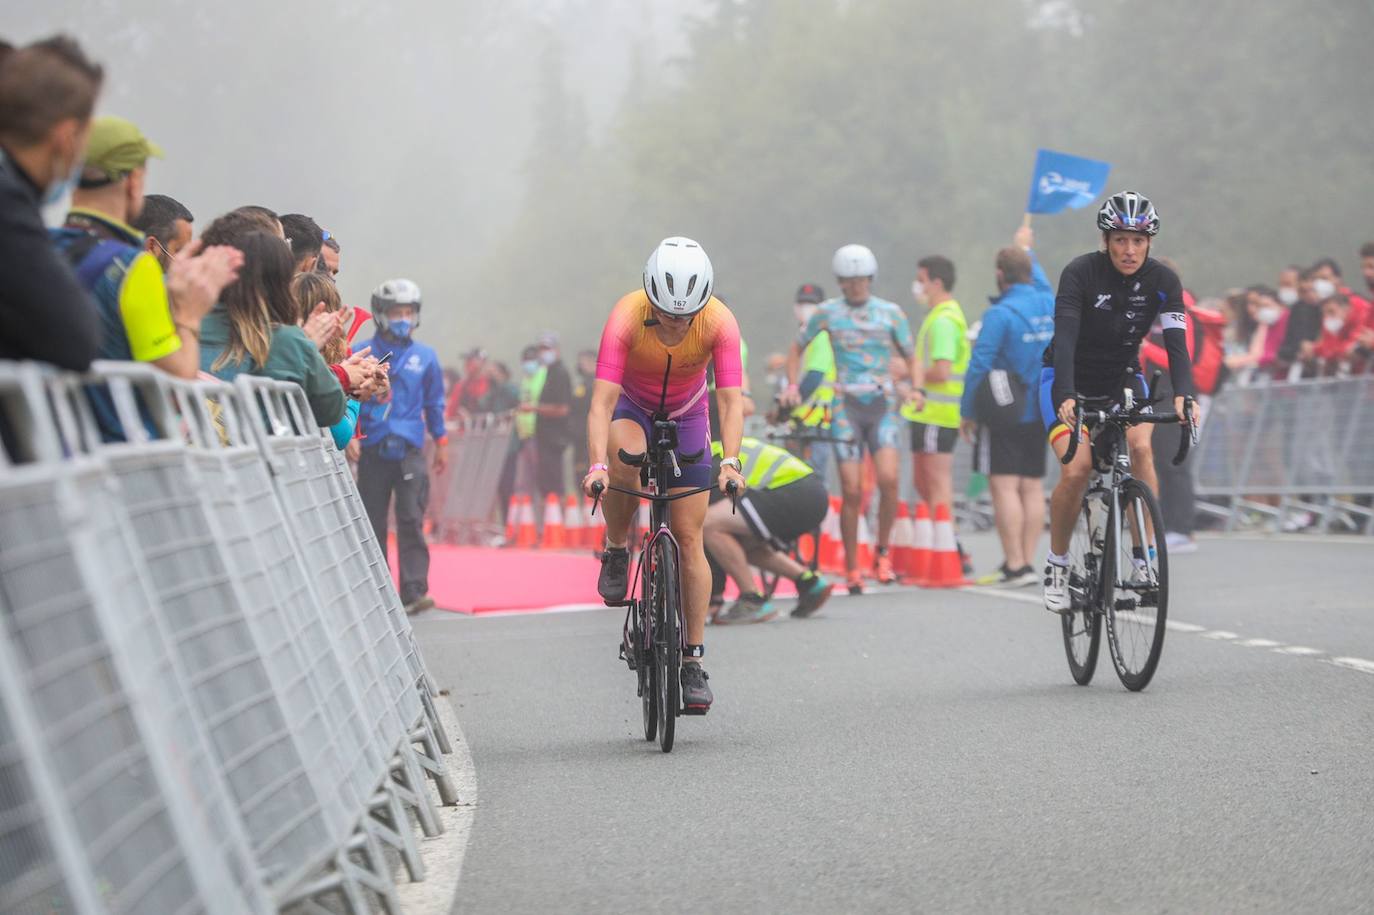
(1057, 589)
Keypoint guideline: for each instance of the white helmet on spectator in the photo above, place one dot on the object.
(678, 277)
(390, 294)
(854, 260)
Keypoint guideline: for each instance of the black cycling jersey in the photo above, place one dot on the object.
(1100, 317)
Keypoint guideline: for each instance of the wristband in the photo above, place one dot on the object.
(732, 462)
(595, 467)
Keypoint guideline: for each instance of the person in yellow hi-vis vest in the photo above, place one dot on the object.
(943, 348)
(817, 383)
(785, 498)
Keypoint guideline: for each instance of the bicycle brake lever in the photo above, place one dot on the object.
(732, 490)
(597, 490)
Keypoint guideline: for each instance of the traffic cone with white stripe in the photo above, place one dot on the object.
(512, 519)
(573, 526)
(555, 537)
(525, 534)
(832, 559)
(865, 545)
(922, 539)
(946, 568)
(903, 541)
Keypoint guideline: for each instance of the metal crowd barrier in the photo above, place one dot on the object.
(1271, 450)
(463, 503)
(210, 696)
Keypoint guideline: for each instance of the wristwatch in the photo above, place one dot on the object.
(732, 462)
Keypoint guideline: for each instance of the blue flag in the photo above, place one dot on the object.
(1062, 181)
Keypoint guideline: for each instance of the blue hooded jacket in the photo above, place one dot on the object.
(417, 395)
(1016, 330)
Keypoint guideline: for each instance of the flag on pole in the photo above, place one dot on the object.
(1062, 181)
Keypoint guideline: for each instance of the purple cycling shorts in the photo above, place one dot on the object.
(693, 435)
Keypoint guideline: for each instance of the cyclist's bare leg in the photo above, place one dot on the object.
(886, 467)
(1067, 498)
(619, 508)
(688, 516)
(726, 535)
(852, 489)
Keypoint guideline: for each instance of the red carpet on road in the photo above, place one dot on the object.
(477, 580)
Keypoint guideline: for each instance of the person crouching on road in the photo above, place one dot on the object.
(785, 499)
(392, 459)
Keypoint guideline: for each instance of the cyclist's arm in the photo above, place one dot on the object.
(730, 404)
(1175, 322)
(604, 396)
(729, 366)
(1068, 311)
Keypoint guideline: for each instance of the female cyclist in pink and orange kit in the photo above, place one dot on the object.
(674, 314)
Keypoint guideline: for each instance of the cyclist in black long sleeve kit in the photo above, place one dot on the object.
(1106, 303)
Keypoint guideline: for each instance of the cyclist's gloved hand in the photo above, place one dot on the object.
(1066, 412)
(727, 474)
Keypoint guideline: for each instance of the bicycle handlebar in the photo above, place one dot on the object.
(1132, 418)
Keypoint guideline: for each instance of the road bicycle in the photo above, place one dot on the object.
(1118, 561)
(652, 640)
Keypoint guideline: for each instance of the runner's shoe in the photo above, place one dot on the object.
(812, 592)
(854, 582)
(1057, 588)
(696, 695)
(750, 608)
(882, 569)
(614, 580)
(420, 604)
(1009, 578)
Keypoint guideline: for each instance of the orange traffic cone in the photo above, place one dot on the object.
(831, 560)
(555, 538)
(922, 539)
(524, 533)
(512, 519)
(903, 541)
(946, 569)
(573, 526)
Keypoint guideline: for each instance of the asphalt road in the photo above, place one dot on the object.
(927, 751)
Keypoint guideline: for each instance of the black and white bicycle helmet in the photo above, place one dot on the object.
(678, 277)
(1128, 211)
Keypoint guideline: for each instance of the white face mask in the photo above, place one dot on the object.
(1288, 295)
(1333, 325)
(803, 311)
(1324, 288)
(1269, 314)
(918, 292)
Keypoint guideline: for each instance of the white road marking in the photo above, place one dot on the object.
(1362, 665)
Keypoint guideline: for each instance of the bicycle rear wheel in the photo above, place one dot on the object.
(1082, 628)
(641, 632)
(667, 604)
(1137, 592)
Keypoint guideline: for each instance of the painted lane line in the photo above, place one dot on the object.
(1301, 651)
(1359, 664)
(1220, 635)
(1259, 643)
(1180, 626)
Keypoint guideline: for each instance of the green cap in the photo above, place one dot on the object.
(117, 147)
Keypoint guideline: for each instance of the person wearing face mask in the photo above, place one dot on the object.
(551, 434)
(1328, 281)
(392, 459)
(47, 94)
(1254, 332)
(1287, 292)
(817, 383)
(1343, 320)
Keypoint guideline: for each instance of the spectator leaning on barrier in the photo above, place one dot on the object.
(942, 347)
(47, 93)
(1304, 325)
(998, 402)
(254, 330)
(1344, 319)
(316, 294)
(393, 459)
(166, 225)
(147, 317)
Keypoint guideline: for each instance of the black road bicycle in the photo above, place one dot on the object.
(1118, 562)
(652, 639)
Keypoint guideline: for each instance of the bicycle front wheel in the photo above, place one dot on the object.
(667, 604)
(1082, 626)
(1137, 602)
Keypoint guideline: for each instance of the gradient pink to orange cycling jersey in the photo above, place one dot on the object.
(632, 356)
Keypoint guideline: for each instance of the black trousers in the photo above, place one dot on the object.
(408, 480)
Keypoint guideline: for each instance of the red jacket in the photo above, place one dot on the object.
(1334, 347)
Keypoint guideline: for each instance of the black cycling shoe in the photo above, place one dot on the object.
(696, 695)
(614, 580)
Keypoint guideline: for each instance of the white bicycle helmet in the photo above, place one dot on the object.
(390, 294)
(678, 277)
(854, 260)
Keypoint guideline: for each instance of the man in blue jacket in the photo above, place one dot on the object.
(393, 433)
(1000, 405)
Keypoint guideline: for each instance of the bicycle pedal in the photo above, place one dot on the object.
(618, 603)
(695, 710)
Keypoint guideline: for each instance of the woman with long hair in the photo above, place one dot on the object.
(254, 329)
(311, 291)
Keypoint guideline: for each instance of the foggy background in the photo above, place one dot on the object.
(520, 159)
